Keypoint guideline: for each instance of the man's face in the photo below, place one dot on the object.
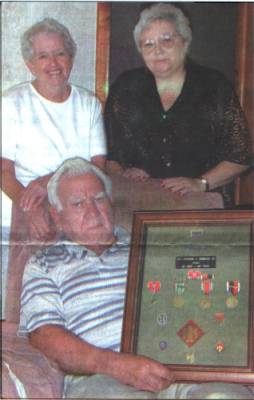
(86, 216)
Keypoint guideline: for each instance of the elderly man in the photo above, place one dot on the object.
(73, 295)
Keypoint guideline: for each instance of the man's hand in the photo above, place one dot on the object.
(136, 174)
(141, 372)
(83, 358)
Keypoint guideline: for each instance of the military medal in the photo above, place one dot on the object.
(206, 287)
(219, 347)
(233, 288)
(219, 317)
(154, 287)
(163, 345)
(178, 300)
(162, 319)
(190, 358)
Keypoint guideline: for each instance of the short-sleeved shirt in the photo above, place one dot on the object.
(204, 126)
(70, 286)
(38, 134)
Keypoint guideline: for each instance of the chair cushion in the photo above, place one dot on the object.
(27, 373)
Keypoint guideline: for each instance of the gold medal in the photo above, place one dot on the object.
(190, 358)
(231, 301)
(205, 303)
(220, 347)
(178, 301)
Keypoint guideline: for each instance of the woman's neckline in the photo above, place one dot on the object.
(169, 91)
(51, 99)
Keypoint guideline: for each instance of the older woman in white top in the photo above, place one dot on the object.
(45, 122)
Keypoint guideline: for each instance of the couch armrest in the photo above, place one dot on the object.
(26, 372)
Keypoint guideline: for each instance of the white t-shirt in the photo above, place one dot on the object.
(38, 134)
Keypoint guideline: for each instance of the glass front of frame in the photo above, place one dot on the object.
(195, 295)
(189, 302)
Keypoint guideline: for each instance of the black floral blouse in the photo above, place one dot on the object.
(203, 127)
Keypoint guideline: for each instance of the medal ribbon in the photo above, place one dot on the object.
(179, 288)
(233, 287)
(207, 286)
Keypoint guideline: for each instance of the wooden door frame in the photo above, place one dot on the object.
(102, 50)
(244, 194)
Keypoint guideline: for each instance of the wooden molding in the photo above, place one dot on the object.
(245, 89)
(102, 50)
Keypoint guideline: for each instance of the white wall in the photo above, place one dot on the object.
(78, 16)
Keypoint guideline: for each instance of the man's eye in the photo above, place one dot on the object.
(77, 204)
(100, 198)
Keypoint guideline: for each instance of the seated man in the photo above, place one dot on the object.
(73, 298)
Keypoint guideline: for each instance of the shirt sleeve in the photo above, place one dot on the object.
(10, 129)
(98, 137)
(40, 300)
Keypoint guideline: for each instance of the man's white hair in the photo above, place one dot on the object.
(164, 12)
(74, 167)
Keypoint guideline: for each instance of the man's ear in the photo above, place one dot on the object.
(56, 218)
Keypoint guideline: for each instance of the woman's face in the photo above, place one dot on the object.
(163, 49)
(50, 64)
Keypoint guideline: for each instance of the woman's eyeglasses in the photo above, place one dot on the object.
(167, 41)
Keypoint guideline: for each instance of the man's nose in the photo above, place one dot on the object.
(91, 208)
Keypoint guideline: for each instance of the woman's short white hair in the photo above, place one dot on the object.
(74, 167)
(47, 25)
(165, 12)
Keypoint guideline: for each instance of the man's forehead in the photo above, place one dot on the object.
(84, 181)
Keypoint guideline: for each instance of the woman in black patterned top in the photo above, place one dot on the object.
(173, 119)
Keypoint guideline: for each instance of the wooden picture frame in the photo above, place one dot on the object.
(190, 297)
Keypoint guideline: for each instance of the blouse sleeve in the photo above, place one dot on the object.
(119, 128)
(233, 140)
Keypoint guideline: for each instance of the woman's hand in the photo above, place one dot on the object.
(40, 224)
(136, 174)
(182, 185)
(34, 194)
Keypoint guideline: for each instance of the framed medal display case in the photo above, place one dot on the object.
(190, 293)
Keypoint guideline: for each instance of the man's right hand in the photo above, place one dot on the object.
(141, 372)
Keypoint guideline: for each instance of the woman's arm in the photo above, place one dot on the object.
(220, 175)
(9, 184)
(32, 200)
(25, 197)
(223, 173)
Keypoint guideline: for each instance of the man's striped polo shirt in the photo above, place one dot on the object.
(69, 285)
